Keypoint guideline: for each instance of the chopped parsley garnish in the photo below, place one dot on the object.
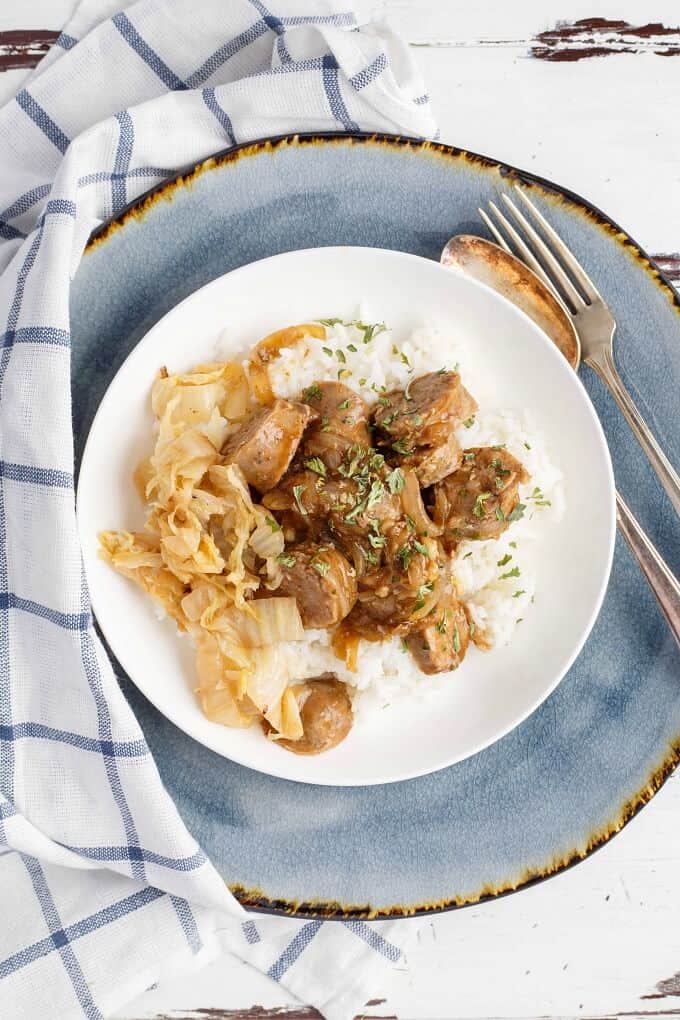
(410, 523)
(325, 425)
(404, 646)
(274, 525)
(369, 556)
(500, 516)
(520, 591)
(376, 461)
(316, 465)
(340, 355)
(395, 481)
(343, 372)
(352, 348)
(400, 446)
(528, 446)
(343, 405)
(327, 351)
(441, 624)
(384, 401)
(321, 566)
(539, 499)
(286, 559)
(362, 382)
(377, 541)
(506, 559)
(513, 545)
(509, 573)
(407, 391)
(404, 361)
(469, 422)
(467, 555)
(405, 555)
(331, 322)
(419, 547)
(312, 392)
(472, 628)
(478, 508)
(456, 640)
(517, 513)
(375, 494)
(442, 370)
(468, 456)
(297, 496)
(372, 331)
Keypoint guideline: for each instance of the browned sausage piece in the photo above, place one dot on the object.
(325, 712)
(429, 401)
(438, 642)
(341, 421)
(435, 461)
(321, 581)
(264, 445)
(480, 499)
(417, 424)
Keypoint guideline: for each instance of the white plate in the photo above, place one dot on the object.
(490, 693)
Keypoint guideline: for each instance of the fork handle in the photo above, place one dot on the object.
(663, 583)
(603, 363)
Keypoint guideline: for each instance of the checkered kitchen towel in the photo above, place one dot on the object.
(102, 889)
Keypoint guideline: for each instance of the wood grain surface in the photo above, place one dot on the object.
(587, 94)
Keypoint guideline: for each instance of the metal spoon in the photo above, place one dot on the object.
(490, 264)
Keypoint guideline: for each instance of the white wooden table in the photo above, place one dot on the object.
(597, 108)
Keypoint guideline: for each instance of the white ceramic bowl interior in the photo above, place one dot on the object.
(491, 693)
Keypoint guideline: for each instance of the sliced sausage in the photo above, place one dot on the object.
(479, 500)
(439, 641)
(340, 421)
(264, 446)
(325, 712)
(431, 400)
(321, 581)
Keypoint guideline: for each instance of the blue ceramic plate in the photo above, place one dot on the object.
(572, 774)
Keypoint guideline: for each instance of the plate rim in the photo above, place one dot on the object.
(256, 899)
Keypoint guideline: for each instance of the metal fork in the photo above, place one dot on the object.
(555, 264)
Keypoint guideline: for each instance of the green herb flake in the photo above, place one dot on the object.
(340, 355)
(509, 573)
(500, 516)
(403, 645)
(401, 446)
(410, 523)
(404, 360)
(372, 331)
(513, 545)
(517, 513)
(316, 465)
(321, 566)
(384, 401)
(468, 456)
(331, 322)
(327, 351)
(405, 555)
(456, 640)
(419, 547)
(520, 591)
(395, 481)
(312, 392)
(467, 555)
(343, 405)
(441, 371)
(286, 559)
(441, 624)
(478, 508)
(297, 496)
(506, 559)
(375, 494)
(352, 348)
(528, 445)
(362, 382)
(274, 525)
(469, 422)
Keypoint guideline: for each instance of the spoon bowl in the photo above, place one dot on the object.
(512, 279)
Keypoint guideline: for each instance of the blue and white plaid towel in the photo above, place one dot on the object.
(102, 889)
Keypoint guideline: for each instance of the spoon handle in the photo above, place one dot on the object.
(603, 364)
(663, 583)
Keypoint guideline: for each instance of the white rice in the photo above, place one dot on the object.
(497, 603)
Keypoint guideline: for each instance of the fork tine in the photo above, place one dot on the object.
(553, 267)
(575, 267)
(496, 233)
(520, 246)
